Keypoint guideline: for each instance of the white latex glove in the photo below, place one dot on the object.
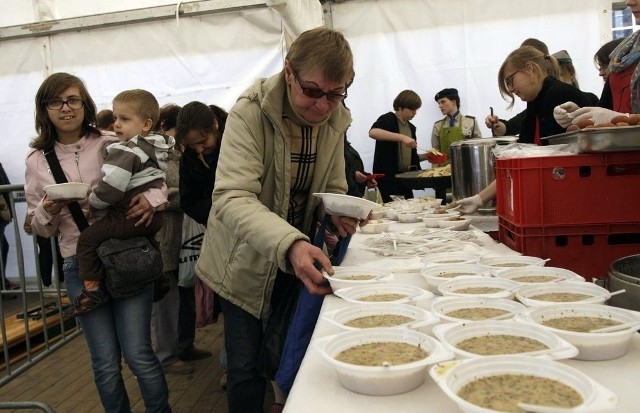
(595, 114)
(469, 205)
(564, 113)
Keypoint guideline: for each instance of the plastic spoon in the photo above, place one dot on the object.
(600, 297)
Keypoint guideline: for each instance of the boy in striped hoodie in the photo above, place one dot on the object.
(132, 165)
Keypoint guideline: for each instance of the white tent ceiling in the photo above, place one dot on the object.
(218, 47)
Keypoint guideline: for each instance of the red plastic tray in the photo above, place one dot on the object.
(585, 249)
(566, 190)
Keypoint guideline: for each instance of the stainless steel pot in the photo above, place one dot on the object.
(624, 273)
(472, 166)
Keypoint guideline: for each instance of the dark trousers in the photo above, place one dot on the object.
(243, 337)
(114, 225)
(186, 318)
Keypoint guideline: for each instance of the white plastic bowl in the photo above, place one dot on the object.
(381, 380)
(377, 213)
(442, 306)
(411, 294)
(436, 274)
(507, 262)
(539, 275)
(409, 217)
(458, 223)
(344, 277)
(450, 258)
(346, 205)
(67, 191)
(452, 334)
(452, 376)
(598, 295)
(421, 319)
(592, 346)
(452, 287)
(377, 226)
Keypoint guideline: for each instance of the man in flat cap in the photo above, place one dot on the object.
(454, 126)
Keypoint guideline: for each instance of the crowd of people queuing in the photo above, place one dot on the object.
(249, 176)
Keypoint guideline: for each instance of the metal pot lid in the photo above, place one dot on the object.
(486, 141)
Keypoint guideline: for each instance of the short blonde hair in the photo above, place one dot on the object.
(325, 49)
(144, 103)
(542, 65)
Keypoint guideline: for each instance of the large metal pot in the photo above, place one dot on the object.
(624, 273)
(472, 166)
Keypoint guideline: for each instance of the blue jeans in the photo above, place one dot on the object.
(121, 328)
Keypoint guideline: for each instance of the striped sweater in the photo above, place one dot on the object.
(131, 167)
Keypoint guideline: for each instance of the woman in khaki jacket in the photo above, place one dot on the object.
(283, 141)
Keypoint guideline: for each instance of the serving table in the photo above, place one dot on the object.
(316, 388)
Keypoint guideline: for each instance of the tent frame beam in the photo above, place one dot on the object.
(182, 9)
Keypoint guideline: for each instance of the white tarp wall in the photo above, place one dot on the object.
(424, 45)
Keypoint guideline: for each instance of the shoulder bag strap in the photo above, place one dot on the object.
(58, 175)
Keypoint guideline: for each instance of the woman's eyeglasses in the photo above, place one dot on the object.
(316, 93)
(509, 79)
(56, 104)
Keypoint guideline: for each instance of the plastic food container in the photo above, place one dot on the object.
(436, 274)
(451, 258)
(431, 219)
(67, 191)
(344, 277)
(420, 319)
(381, 380)
(591, 346)
(346, 205)
(506, 288)
(506, 262)
(394, 292)
(452, 334)
(456, 223)
(535, 275)
(409, 217)
(442, 306)
(452, 376)
(376, 227)
(597, 294)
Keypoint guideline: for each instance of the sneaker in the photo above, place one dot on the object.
(178, 367)
(194, 353)
(88, 300)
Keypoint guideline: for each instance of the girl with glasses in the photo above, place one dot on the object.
(64, 118)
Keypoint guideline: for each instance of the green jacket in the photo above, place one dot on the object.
(247, 235)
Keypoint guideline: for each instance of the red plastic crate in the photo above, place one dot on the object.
(567, 190)
(585, 249)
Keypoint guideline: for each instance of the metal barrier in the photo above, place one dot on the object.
(32, 324)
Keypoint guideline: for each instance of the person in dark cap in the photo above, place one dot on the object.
(454, 126)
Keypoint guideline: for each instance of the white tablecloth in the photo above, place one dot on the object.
(317, 389)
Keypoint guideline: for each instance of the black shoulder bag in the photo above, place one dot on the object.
(130, 264)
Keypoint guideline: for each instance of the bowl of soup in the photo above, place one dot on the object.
(436, 274)
(381, 361)
(464, 309)
(506, 262)
(499, 338)
(388, 292)
(488, 287)
(536, 295)
(344, 277)
(535, 274)
(574, 322)
(500, 383)
(357, 317)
